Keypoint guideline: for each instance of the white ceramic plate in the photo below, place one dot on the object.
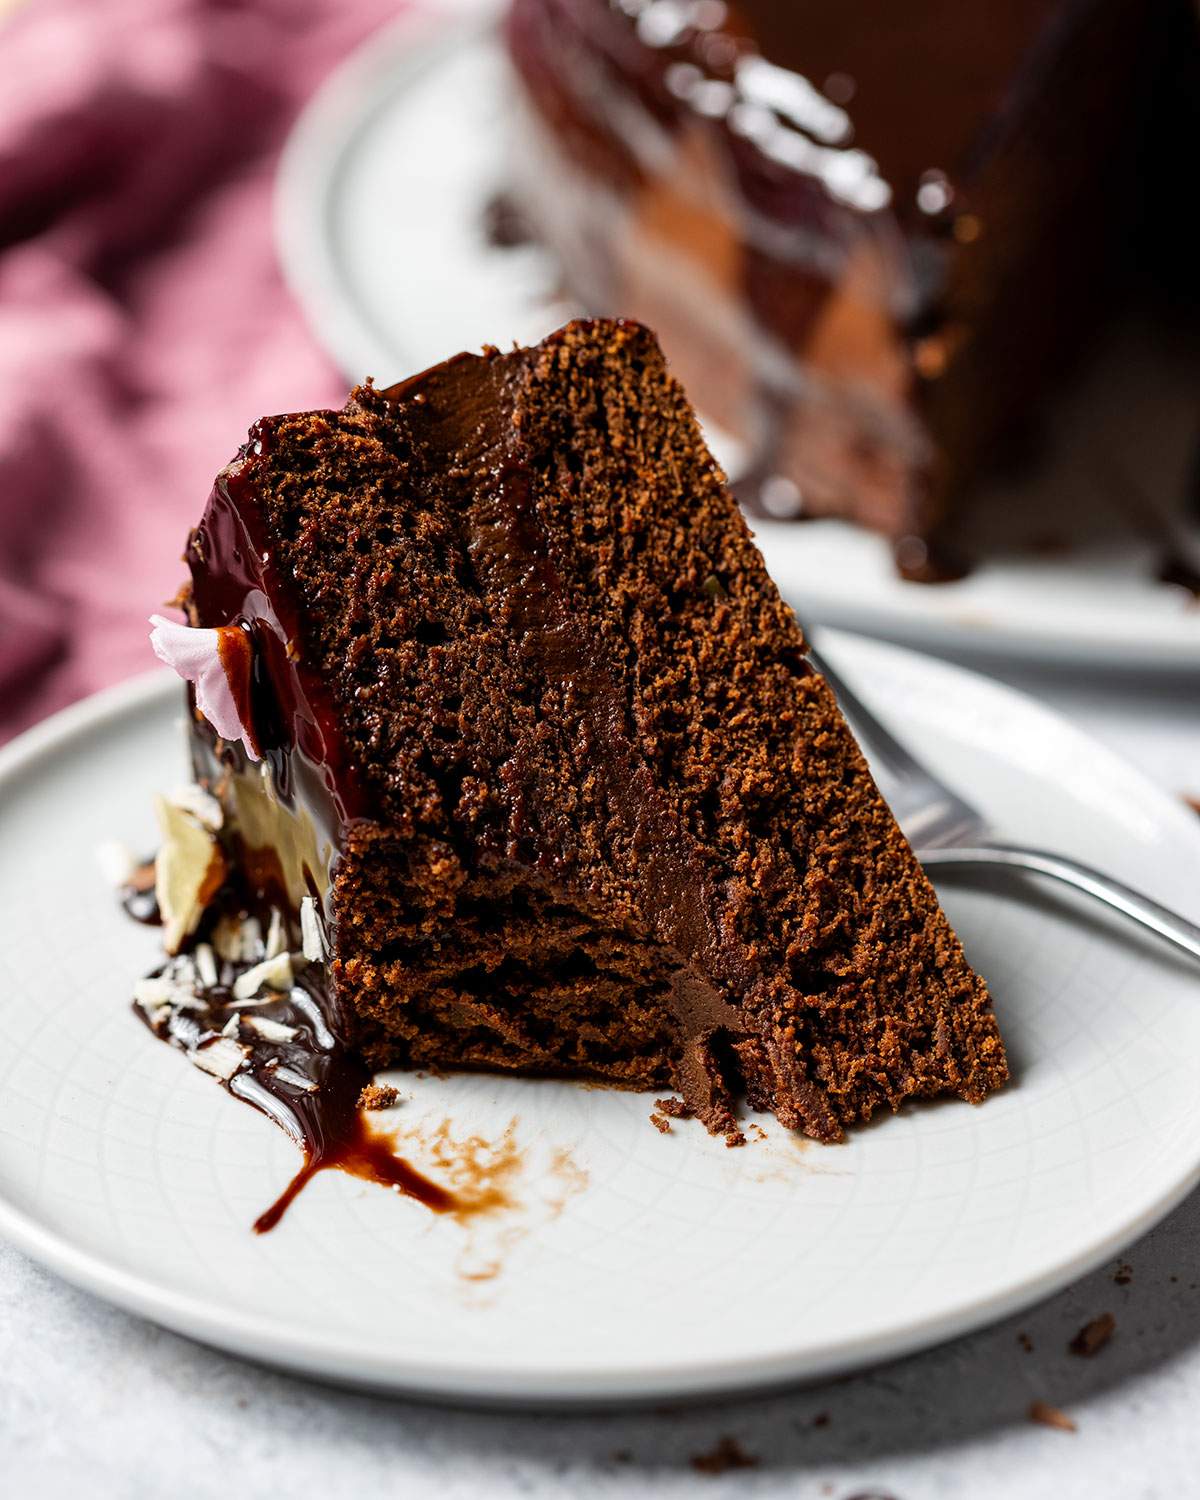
(380, 230)
(632, 1264)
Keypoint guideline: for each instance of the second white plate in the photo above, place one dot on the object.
(629, 1264)
(380, 227)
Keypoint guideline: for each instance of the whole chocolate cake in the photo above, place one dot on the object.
(867, 233)
(499, 704)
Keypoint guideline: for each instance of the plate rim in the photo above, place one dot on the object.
(568, 1384)
(323, 135)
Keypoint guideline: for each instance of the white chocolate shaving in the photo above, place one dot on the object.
(227, 939)
(276, 937)
(272, 973)
(157, 991)
(206, 965)
(222, 1057)
(271, 1031)
(297, 1080)
(250, 940)
(312, 939)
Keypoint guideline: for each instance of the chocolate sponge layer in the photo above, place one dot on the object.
(590, 809)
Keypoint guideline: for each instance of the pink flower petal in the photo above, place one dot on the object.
(195, 653)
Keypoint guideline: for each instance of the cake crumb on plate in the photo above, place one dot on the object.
(378, 1096)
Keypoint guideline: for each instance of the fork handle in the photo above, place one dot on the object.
(1168, 924)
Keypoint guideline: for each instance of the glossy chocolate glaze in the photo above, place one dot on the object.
(235, 582)
(288, 709)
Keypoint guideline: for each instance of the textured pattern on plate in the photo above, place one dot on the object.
(131, 1172)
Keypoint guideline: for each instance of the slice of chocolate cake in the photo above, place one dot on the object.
(489, 666)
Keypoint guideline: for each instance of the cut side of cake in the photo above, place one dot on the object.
(505, 689)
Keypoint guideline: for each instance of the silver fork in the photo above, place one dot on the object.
(946, 830)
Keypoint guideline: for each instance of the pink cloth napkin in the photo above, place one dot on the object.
(143, 321)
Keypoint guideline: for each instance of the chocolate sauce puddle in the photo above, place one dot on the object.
(287, 1055)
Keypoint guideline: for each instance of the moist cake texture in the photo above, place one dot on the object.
(539, 733)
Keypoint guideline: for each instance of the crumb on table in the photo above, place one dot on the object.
(1050, 1416)
(1093, 1336)
(727, 1454)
